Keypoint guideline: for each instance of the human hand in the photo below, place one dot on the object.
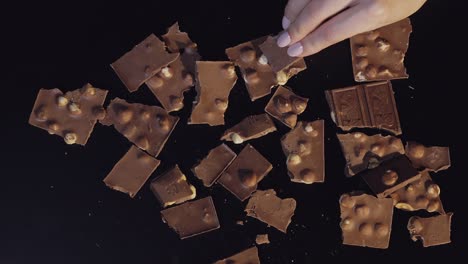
(312, 25)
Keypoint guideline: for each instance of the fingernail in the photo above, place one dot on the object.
(295, 50)
(285, 23)
(284, 40)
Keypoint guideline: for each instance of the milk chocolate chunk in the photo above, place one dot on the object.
(362, 151)
(430, 158)
(304, 150)
(262, 239)
(379, 54)
(270, 209)
(257, 73)
(422, 194)
(148, 127)
(213, 165)
(432, 231)
(71, 115)
(249, 128)
(131, 172)
(390, 176)
(215, 81)
(366, 105)
(172, 188)
(286, 106)
(141, 63)
(244, 173)
(248, 256)
(366, 221)
(277, 57)
(192, 218)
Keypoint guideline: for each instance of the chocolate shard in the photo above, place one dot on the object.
(192, 218)
(248, 256)
(277, 57)
(366, 221)
(262, 239)
(251, 127)
(172, 187)
(432, 231)
(131, 172)
(141, 63)
(213, 165)
(304, 149)
(366, 105)
(430, 158)
(270, 209)
(379, 54)
(72, 115)
(285, 106)
(148, 127)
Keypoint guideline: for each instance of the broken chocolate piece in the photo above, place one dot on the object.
(145, 60)
(362, 151)
(277, 57)
(262, 239)
(249, 128)
(390, 176)
(431, 158)
(366, 105)
(244, 173)
(286, 106)
(366, 221)
(71, 115)
(148, 127)
(270, 209)
(432, 231)
(304, 150)
(192, 218)
(213, 165)
(131, 172)
(379, 54)
(248, 256)
(172, 188)
(215, 81)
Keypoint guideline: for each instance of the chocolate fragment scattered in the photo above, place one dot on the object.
(431, 158)
(286, 106)
(270, 209)
(379, 54)
(277, 57)
(249, 128)
(248, 256)
(192, 218)
(262, 239)
(304, 150)
(172, 188)
(432, 231)
(213, 165)
(366, 221)
(71, 115)
(244, 173)
(131, 172)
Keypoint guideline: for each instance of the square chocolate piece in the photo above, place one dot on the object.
(432, 231)
(248, 256)
(285, 106)
(172, 188)
(251, 127)
(277, 57)
(213, 165)
(430, 158)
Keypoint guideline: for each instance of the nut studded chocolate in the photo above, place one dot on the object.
(172, 188)
(432, 231)
(141, 63)
(367, 105)
(379, 54)
(366, 221)
(304, 150)
(248, 256)
(431, 158)
(215, 81)
(71, 115)
(148, 127)
(249, 128)
(286, 106)
(277, 57)
(213, 165)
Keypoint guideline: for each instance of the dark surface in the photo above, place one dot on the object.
(56, 209)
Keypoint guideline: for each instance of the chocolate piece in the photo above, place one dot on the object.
(249, 128)
(215, 81)
(304, 149)
(421, 194)
(277, 57)
(244, 173)
(262, 239)
(366, 221)
(286, 106)
(362, 151)
(192, 218)
(131, 172)
(432, 231)
(213, 165)
(248, 256)
(142, 62)
(390, 176)
(257, 73)
(270, 209)
(148, 127)
(172, 188)
(379, 54)
(431, 158)
(366, 105)
(71, 115)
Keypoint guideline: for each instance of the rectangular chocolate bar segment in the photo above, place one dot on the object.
(431, 158)
(172, 188)
(213, 165)
(285, 106)
(131, 172)
(249, 128)
(432, 231)
(248, 256)
(277, 57)
(192, 218)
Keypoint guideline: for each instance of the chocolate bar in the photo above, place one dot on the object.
(277, 57)
(430, 158)
(248, 256)
(172, 188)
(213, 165)
(262, 239)
(286, 106)
(249, 128)
(432, 231)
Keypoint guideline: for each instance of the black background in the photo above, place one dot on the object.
(56, 209)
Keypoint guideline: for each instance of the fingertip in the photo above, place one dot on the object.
(296, 50)
(283, 40)
(285, 22)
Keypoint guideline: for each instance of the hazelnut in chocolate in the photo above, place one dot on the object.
(430, 158)
(285, 106)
